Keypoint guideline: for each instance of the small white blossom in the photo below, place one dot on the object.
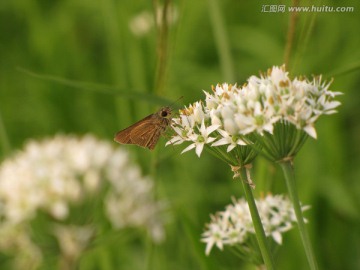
(201, 139)
(227, 139)
(198, 112)
(214, 235)
(73, 240)
(234, 225)
(142, 23)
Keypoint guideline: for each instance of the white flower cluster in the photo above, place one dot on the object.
(58, 173)
(234, 225)
(234, 111)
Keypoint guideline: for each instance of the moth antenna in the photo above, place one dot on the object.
(171, 104)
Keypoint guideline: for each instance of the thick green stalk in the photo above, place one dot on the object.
(291, 185)
(259, 230)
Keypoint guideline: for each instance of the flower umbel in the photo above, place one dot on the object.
(232, 113)
(61, 179)
(234, 227)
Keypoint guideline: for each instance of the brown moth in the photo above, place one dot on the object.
(146, 132)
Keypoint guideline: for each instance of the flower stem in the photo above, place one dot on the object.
(291, 185)
(162, 46)
(259, 230)
(221, 40)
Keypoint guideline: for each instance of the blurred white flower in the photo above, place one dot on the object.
(254, 108)
(73, 240)
(59, 175)
(234, 225)
(14, 239)
(142, 23)
(130, 203)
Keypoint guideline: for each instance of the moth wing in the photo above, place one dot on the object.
(144, 133)
(124, 136)
(148, 137)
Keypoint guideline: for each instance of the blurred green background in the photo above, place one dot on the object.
(75, 66)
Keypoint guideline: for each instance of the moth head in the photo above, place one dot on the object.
(165, 112)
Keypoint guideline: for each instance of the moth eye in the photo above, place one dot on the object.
(164, 113)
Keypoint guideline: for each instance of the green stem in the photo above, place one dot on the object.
(291, 34)
(4, 138)
(221, 40)
(149, 253)
(259, 230)
(162, 45)
(291, 185)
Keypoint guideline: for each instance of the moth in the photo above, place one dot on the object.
(146, 132)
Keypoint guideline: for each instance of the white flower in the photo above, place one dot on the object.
(255, 107)
(214, 235)
(232, 141)
(73, 240)
(234, 225)
(58, 176)
(198, 112)
(15, 239)
(201, 139)
(279, 76)
(130, 204)
(142, 23)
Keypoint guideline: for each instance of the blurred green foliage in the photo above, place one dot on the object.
(74, 66)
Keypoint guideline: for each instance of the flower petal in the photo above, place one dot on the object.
(311, 131)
